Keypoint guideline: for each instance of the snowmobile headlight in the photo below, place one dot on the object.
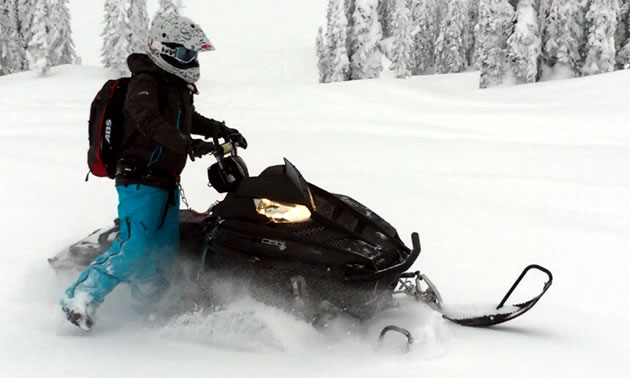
(279, 212)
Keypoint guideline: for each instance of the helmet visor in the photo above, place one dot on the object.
(179, 52)
(184, 55)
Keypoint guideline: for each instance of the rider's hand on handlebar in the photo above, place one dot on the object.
(198, 148)
(232, 135)
(237, 138)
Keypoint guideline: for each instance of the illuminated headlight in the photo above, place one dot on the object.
(279, 212)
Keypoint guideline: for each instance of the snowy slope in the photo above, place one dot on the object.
(492, 180)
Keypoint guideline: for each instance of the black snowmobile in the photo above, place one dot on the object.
(301, 248)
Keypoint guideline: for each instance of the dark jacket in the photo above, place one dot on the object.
(159, 119)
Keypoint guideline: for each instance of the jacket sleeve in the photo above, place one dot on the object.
(206, 126)
(142, 104)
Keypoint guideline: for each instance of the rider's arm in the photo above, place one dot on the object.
(206, 126)
(142, 105)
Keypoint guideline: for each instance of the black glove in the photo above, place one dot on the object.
(198, 148)
(233, 135)
(238, 138)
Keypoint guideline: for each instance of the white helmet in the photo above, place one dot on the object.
(174, 42)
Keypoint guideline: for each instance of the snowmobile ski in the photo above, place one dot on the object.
(505, 313)
(425, 291)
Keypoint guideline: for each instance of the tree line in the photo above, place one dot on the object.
(36, 34)
(509, 41)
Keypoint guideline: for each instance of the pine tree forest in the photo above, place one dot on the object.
(509, 41)
(30, 40)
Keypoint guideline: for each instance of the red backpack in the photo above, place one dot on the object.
(106, 128)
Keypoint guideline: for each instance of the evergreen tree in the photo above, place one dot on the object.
(116, 34)
(139, 22)
(495, 25)
(544, 9)
(623, 36)
(386, 17)
(60, 34)
(10, 57)
(329, 38)
(450, 51)
(402, 47)
(425, 17)
(38, 51)
(470, 36)
(562, 34)
(623, 56)
(600, 47)
(320, 52)
(25, 12)
(169, 6)
(330, 9)
(524, 43)
(336, 37)
(365, 62)
(350, 6)
(14, 25)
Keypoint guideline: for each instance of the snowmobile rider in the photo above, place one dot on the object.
(159, 120)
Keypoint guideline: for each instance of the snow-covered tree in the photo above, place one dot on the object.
(495, 25)
(139, 22)
(60, 34)
(320, 52)
(350, 6)
(524, 43)
(336, 37)
(623, 56)
(386, 9)
(14, 24)
(425, 17)
(402, 46)
(25, 12)
(622, 36)
(469, 36)
(450, 51)
(329, 39)
(10, 49)
(601, 19)
(544, 9)
(563, 33)
(38, 51)
(169, 6)
(116, 34)
(365, 62)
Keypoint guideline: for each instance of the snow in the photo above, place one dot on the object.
(492, 180)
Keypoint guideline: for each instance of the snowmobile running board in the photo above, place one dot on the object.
(504, 316)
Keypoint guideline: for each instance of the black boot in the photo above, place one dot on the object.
(83, 321)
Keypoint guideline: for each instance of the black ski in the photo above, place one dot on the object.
(503, 314)
(419, 286)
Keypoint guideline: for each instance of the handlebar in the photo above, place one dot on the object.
(228, 148)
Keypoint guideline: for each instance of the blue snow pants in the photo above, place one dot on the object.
(143, 252)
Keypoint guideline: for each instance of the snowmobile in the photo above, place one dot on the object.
(298, 247)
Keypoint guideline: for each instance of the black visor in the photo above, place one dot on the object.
(180, 53)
